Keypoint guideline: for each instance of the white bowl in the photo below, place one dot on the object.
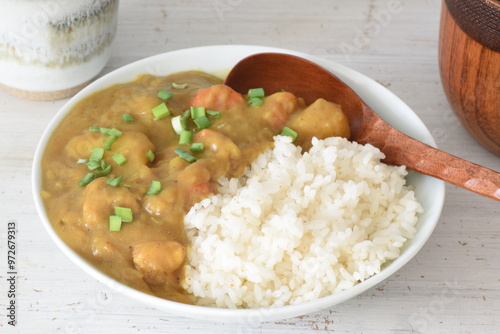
(218, 60)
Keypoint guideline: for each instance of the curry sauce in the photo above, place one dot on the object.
(149, 252)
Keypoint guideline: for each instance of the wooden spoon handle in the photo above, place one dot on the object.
(419, 157)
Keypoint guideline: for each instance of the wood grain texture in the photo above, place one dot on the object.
(451, 286)
(470, 73)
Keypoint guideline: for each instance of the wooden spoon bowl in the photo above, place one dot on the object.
(277, 71)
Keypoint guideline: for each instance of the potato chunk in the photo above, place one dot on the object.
(99, 200)
(134, 146)
(218, 145)
(158, 260)
(80, 147)
(322, 119)
(163, 203)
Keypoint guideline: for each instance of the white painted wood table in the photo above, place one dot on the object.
(451, 286)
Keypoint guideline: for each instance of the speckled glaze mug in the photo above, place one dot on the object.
(50, 49)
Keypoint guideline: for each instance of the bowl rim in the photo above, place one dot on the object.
(364, 86)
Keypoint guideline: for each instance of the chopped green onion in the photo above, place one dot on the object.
(103, 172)
(179, 86)
(89, 177)
(97, 154)
(164, 94)
(255, 101)
(202, 122)
(214, 114)
(186, 114)
(115, 223)
(185, 155)
(197, 112)
(127, 118)
(99, 129)
(82, 161)
(114, 132)
(119, 159)
(114, 181)
(150, 155)
(109, 141)
(155, 188)
(185, 137)
(92, 165)
(289, 132)
(196, 147)
(160, 111)
(179, 124)
(103, 164)
(124, 213)
(256, 92)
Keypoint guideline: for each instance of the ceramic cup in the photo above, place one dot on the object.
(469, 60)
(50, 49)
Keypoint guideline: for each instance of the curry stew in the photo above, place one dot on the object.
(84, 182)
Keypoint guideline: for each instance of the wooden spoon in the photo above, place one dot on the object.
(277, 71)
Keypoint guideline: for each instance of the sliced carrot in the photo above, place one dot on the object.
(217, 97)
(195, 184)
(278, 107)
(202, 190)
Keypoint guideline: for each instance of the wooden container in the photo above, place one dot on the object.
(469, 61)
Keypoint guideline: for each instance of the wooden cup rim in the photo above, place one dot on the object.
(480, 19)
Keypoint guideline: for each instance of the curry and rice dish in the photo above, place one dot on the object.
(182, 188)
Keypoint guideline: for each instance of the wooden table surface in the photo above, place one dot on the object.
(451, 286)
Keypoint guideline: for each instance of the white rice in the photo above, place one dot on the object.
(297, 227)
